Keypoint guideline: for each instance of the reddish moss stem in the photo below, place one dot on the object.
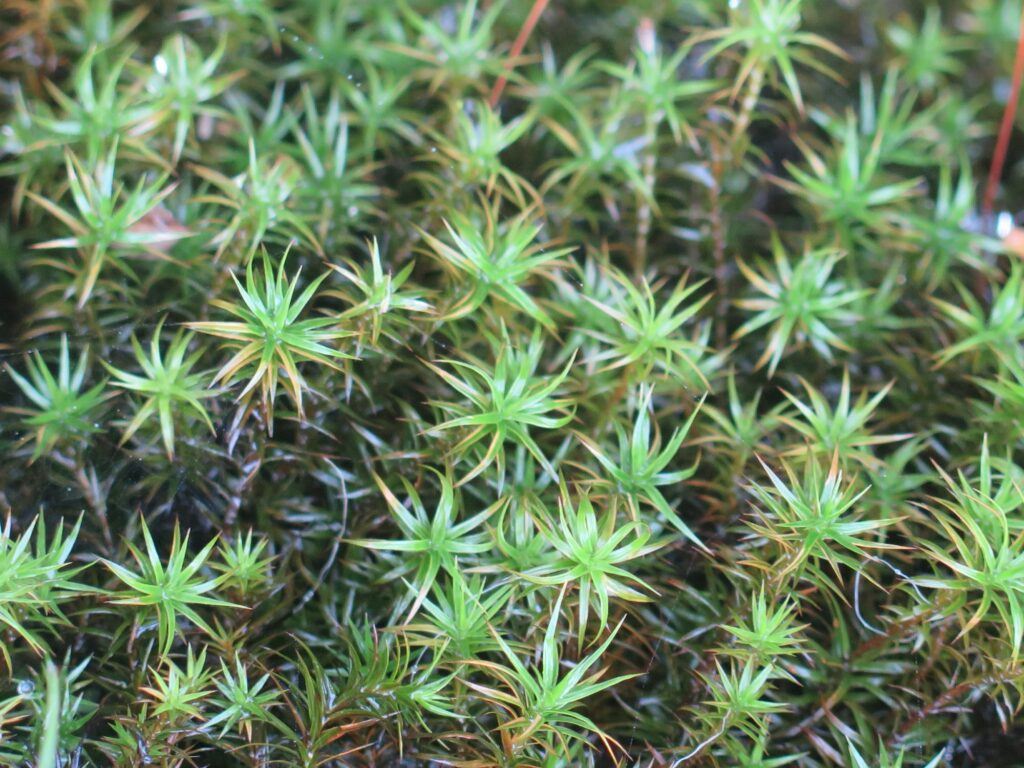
(517, 46)
(995, 170)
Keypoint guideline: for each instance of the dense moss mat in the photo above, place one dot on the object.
(659, 407)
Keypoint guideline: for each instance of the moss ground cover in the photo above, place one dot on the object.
(509, 383)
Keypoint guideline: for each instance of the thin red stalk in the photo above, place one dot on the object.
(517, 47)
(995, 171)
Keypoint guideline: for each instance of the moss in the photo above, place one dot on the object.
(660, 406)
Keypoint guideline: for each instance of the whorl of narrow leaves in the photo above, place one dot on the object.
(433, 541)
(269, 338)
(510, 384)
(62, 410)
(168, 585)
(167, 383)
(107, 227)
(35, 581)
